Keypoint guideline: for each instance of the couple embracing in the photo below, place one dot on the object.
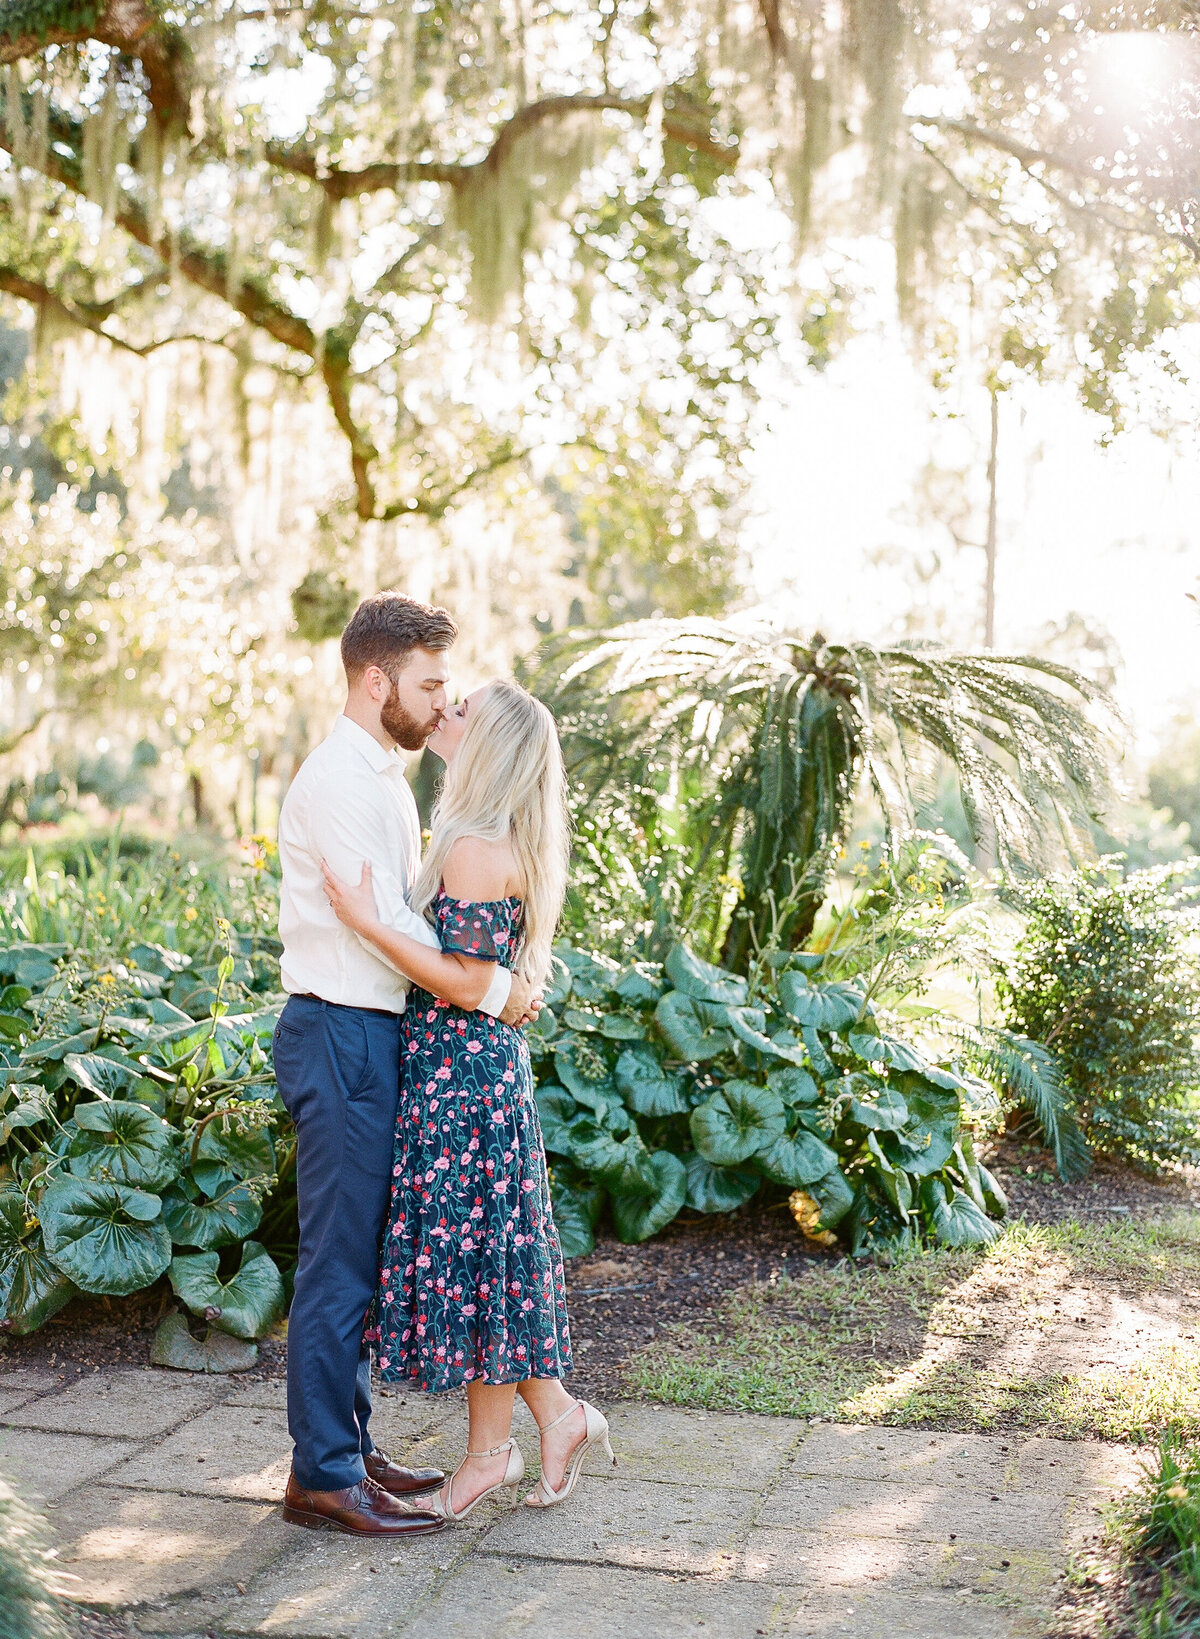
(424, 1205)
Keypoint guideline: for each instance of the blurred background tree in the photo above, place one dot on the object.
(490, 301)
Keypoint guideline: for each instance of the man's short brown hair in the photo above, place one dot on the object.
(384, 629)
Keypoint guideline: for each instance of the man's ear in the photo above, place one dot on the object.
(379, 684)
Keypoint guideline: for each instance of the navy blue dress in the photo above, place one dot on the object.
(471, 1282)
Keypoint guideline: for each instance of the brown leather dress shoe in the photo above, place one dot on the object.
(365, 1509)
(401, 1482)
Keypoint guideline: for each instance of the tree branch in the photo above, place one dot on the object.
(133, 27)
(1028, 156)
(690, 129)
(415, 507)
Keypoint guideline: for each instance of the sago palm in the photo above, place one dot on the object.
(771, 735)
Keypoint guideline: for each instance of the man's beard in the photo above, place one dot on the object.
(398, 722)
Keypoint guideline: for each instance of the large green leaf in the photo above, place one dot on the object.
(796, 1159)
(638, 1215)
(195, 1220)
(620, 1163)
(98, 1074)
(33, 965)
(593, 977)
(27, 1112)
(576, 1209)
(834, 1196)
(717, 1189)
(217, 1351)
(701, 980)
(556, 1110)
(247, 1305)
(927, 1142)
(832, 1005)
(994, 1198)
(738, 1120)
(621, 1027)
(749, 1025)
(123, 1143)
(876, 1105)
(107, 1238)
(899, 1055)
(646, 1086)
(158, 960)
(826, 1069)
(231, 1144)
(14, 1025)
(694, 1031)
(583, 1070)
(642, 982)
(794, 1086)
(31, 1288)
(956, 1220)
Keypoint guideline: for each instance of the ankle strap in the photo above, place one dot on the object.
(493, 1451)
(544, 1428)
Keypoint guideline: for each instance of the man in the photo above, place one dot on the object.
(337, 1055)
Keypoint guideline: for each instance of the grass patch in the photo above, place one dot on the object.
(1074, 1329)
(1144, 1578)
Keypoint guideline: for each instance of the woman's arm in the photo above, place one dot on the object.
(472, 869)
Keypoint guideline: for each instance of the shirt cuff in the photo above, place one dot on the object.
(496, 999)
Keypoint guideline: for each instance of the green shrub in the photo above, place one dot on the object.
(1105, 975)
(141, 1133)
(671, 1086)
(28, 1607)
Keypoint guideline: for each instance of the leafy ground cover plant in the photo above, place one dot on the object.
(1162, 1540)
(672, 1086)
(1106, 976)
(140, 1130)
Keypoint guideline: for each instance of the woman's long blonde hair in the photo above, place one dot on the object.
(507, 783)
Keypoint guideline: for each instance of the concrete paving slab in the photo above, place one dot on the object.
(1060, 1467)
(19, 1386)
(339, 1587)
(735, 1452)
(228, 1451)
(923, 1513)
(660, 1527)
(909, 1456)
(131, 1548)
(905, 1616)
(542, 1600)
(132, 1404)
(817, 1561)
(47, 1466)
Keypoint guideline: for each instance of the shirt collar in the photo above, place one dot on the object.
(367, 745)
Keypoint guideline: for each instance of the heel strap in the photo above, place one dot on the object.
(544, 1428)
(494, 1451)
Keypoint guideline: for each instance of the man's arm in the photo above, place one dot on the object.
(348, 839)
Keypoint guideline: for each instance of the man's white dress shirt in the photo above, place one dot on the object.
(350, 802)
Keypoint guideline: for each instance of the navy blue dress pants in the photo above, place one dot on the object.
(338, 1070)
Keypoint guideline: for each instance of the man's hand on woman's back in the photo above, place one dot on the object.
(524, 1002)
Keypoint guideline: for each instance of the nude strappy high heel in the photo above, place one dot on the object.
(595, 1433)
(514, 1472)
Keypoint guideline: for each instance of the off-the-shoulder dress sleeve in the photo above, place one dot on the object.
(473, 929)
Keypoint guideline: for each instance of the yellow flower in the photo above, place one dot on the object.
(108, 978)
(190, 914)
(1177, 1492)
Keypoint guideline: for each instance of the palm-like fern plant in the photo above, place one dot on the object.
(773, 735)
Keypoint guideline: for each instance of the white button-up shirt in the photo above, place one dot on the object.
(350, 802)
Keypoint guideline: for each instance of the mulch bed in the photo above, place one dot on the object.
(622, 1297)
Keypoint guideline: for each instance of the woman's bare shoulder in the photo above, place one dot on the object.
(479, 869)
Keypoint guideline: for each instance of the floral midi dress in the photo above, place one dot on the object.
(471, 1279)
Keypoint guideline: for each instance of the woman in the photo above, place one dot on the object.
(471, 1287)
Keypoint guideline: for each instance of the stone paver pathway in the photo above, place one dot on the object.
(162, 1489)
